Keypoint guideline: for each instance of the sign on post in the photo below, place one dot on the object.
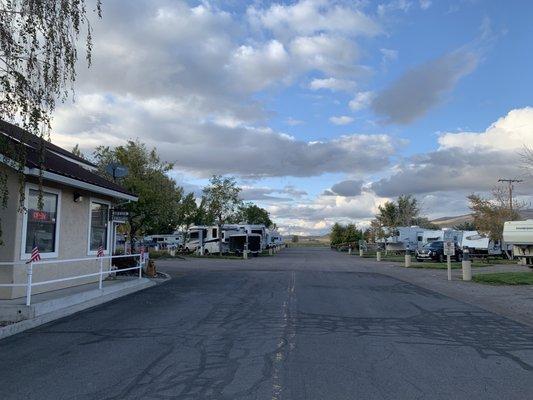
(118, 216)
(449, 248)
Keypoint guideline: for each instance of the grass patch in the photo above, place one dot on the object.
(505, 278)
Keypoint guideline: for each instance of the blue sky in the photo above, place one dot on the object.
(322, 109)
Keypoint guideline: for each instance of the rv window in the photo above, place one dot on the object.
(214, 233)
(258, 231)
(193, 235)
(419, 238)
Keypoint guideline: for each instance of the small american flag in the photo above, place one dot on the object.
(35, 255)
(142, 253)
(100, 252)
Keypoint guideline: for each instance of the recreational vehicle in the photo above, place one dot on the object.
(171, 240)
(202, 237)
(520, 235)
(479, 244)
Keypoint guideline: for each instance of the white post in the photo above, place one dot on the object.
(407, 260)
(449, 262)
(378, 256)
(141, 262)
(467, 270)
(270, 251)
(100, 278)
(361, 252)
(245, 252)
(29, 272)
(350, 251)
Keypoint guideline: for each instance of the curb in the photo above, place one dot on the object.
(18, 327)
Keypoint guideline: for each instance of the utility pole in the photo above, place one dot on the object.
(510, 183)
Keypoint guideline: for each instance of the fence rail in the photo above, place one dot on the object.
(29, 271)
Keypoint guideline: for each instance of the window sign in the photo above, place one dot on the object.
(41, 224)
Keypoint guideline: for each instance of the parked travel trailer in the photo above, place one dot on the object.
(479, 244)
(171, 240)
(520, 235)
(258, 230)
(403, 238)
(238, 242)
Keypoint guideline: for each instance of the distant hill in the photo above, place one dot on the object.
(448, 222)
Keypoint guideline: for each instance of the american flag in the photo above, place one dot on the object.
(142, 253)
(100, 252)
(35, 255)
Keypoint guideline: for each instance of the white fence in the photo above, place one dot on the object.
(29, 271)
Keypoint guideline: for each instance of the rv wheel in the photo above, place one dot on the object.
(206, 252)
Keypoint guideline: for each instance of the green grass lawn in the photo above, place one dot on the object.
(429, 264)
(505, 278)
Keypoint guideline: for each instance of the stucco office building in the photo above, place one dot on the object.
(74, 220)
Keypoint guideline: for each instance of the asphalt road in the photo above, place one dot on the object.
(306, 324)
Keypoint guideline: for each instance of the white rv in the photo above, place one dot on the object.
(202, 237)
(403, 238)
(162, 241)
(479, 244)
(520, 235)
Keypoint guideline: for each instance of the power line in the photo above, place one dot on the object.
(510, 183)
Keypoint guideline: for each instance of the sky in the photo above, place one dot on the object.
(322, 110)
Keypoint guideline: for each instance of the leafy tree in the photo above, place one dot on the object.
(253, 214)
(77, 151)
(295, 239)
(38, 59)
(425, 223)
(222, 200)
(345, 234)
(490, 213)
(157, 209)
(388, 214)
(336, 234)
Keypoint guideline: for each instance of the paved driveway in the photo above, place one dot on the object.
(305, 324)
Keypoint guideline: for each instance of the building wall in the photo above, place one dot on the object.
(74, 220)
(11, 228)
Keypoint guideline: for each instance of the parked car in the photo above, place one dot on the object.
(435, 251)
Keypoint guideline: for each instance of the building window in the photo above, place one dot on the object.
(41, 225)
(99, 226)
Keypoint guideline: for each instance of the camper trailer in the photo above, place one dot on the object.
(520, 235)
(202, 237)
(479, 244)
(239, 242)
(162, 241)
(403, 238)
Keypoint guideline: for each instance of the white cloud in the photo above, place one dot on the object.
(307, 17)
(332, 84)
(465, 162)
(341, 120)
(203, 146)
(361, 100)
(293, 122)
(512, 131)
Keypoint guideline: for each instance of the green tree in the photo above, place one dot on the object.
(222, 200)
(489, 214)
(77, 151)
(352, 234)
(157, 210)
(336, 235)
(253, 214)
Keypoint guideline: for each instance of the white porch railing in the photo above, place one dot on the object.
(29, 271)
